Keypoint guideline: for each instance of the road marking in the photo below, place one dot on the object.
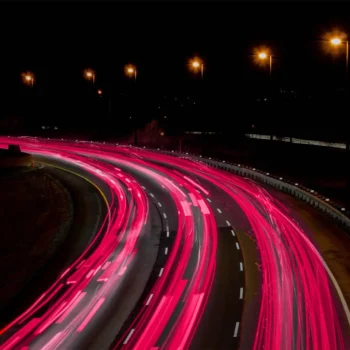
(143, 187)
(152, 195)
(208, 199)
(83, 177)
(167, 231)
(129, 336)
(241, 293)
(164, 215)
(166, 251)
(241, 266)
(161, 271)
(159, 204)
(236, 330)
(149, 299)
(237, 245)
(219, 210)
(228, 223)
(233, 233)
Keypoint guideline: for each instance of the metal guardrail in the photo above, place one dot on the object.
(309, 196)
(297, 141)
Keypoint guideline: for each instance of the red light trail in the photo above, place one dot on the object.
(298, 306)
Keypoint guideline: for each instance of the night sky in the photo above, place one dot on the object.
(58, 40)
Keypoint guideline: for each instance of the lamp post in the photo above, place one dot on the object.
(131, 71)
(196, 64)
(28, 78)
(337, 41)
(264, 56)
(90, 75)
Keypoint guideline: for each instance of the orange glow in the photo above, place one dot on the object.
(28, 78)
(99, 92)
(196, 65)
(335, 41)
(89, 74)
(130, 70)
(261, 55)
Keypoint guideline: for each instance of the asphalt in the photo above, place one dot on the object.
(230, 317)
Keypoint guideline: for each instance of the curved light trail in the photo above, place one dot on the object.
(298, 306)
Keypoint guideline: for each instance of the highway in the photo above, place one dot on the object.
(187, 256)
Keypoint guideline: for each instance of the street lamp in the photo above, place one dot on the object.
(337, 41)
(131, 71)
(99, 92)
(28, 78)
(196, 64)
(90, 75)
(262, 56)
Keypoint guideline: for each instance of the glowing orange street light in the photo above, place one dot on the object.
(197, 63)
(131, 71)
(336, 41)
(263, 56)
(28, 78)
(90, 75)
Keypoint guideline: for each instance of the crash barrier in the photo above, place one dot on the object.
(298, 141)
(310, 196)
(325, 205)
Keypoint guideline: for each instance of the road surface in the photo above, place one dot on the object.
(187, 257)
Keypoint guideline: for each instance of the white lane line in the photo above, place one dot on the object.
(161, 271)
(152, 195)
(166, 251)
(219, 211)
(164, 215)
(159, 204)
(143, 187)
(129, 336)
(241, 266)
(208, 199)
(237, 246)
(241, 293)
(236, 330)
(228, 223)
(149, 299)
(233, 233)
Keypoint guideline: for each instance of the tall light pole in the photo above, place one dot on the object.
(28, 78)
(90, 74)
(264, 56)
(196, 64)
(131, 71)
(337, 41)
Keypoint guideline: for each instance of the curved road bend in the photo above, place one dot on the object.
(196, 300)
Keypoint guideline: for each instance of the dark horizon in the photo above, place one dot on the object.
(57, 41)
